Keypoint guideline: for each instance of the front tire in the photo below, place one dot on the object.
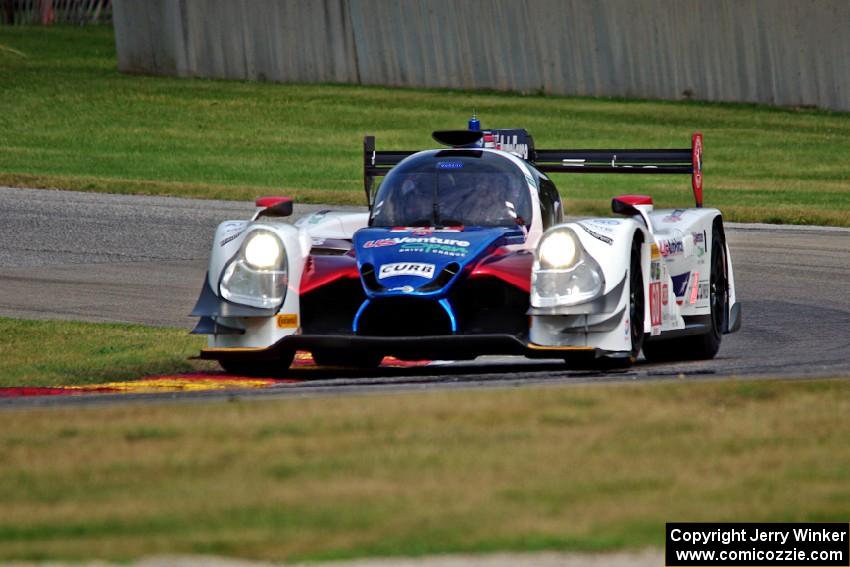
(636, 310)
(259, 369)
(636, 302)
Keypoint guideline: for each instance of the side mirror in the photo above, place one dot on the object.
(274, 206)
(625, 204)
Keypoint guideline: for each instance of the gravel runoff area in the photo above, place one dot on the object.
(647, 558)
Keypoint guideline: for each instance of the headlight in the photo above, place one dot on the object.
(558, 250)
(257, 275)
(564, 273)
(263, 250)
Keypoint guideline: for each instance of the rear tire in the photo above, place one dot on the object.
(705, 346)
(262, 368)
(347, 359)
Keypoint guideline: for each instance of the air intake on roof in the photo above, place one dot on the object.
(457, 138)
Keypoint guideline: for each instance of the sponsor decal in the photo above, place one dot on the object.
(232, 231)
(287, 321)
(425, 230)
(317, 241)
(675, 216)
(441, 249)
(228, 239)
(694, 287)
(704, 292)
(417, 269)
(403, 289)
(655, 270)
(665, 294)
(596, 235)
(454, 164)
(508, 143)
(395, 241)
(680, 284)
(602, 225)
(380, 243)
(655, 307)
(671, 247)
(531, 181)
(699, 244)
(656, 254)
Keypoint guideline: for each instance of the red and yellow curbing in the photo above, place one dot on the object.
(194, 382)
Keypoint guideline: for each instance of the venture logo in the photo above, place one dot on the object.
(395, 241)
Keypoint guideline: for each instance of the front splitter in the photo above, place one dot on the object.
(444, 347)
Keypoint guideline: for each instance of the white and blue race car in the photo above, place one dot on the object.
(465, 252)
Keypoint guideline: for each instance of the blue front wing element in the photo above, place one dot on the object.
(424, 263)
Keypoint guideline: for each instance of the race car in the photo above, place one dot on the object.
(464, 252)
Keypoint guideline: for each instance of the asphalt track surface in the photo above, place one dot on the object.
(118, 258)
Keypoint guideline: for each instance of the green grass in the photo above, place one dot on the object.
(66, 353)
(583, 468)
(70, 120)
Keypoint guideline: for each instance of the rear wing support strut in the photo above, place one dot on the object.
(378, 164)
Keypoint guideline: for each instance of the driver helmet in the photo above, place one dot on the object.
(415, 201)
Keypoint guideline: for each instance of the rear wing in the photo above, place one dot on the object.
(685, 160)
(654, 161)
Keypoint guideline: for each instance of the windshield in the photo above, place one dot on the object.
(453, 189)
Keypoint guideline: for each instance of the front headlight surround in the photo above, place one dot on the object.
(564, 277)
(258, 274)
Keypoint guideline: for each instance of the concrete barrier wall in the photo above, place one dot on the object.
(785, 52)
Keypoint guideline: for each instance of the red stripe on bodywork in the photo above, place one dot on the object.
(513, 267)
(322, 270)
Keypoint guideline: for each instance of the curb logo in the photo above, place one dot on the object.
(417, 269)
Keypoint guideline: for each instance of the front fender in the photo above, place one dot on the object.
(602, 321)
(256, 328)
(609, 242)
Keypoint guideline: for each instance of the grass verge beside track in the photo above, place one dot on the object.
(572, 468)
(70, 120)
(66, 353)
